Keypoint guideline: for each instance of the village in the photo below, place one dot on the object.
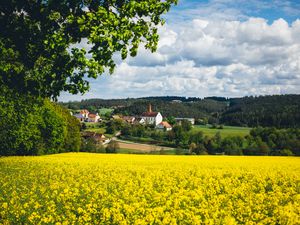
(149, 118)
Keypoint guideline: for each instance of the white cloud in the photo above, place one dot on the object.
(212, 57)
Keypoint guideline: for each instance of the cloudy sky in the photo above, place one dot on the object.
(226, 48)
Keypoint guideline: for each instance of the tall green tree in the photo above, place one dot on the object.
(40, 40)
(32, 126)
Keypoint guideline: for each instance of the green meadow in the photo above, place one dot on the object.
(227, 131)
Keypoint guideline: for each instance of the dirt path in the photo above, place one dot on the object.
(141, 147)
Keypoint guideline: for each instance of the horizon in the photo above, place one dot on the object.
(212, 48)
(173, 96)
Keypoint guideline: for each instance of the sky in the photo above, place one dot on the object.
(229, 48)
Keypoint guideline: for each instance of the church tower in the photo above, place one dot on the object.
(149, 108)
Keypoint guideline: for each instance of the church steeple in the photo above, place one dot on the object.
(149, 108)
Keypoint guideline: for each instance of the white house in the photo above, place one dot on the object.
(191, 120)
(150, 117)
(164, 125)
(139, 120)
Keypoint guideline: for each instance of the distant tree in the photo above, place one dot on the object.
(232, 146)
(286, 152)
(200, 150)
(196, 137)
(192, 148)
(218, 138)
(171, 120)
(178, 134)
(112, 147)
(186, 125)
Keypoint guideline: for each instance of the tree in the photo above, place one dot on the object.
(171, 120)
(112, 147)
(186, 125)
(40, 41)
(30, 126)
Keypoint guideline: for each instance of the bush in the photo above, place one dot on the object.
(112, 147)
(286, 152)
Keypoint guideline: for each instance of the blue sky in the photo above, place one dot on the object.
(213, 48)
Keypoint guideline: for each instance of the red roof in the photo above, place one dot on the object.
(150, 114)
(84, 111)
(92, 115)
(165, 124)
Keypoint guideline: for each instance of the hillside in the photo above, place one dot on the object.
(280, 111)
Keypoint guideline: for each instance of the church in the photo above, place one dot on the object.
(150, 117)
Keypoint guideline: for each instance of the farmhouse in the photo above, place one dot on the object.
(82, 115)
(128, 119)
(164, 125)
(94, 118)
(150, 117)
(98, 138)
(139, 120)
(191, 120)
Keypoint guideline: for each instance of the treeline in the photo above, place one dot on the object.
(280, 111)
(261, 141)
(35, 126)
(165, 105)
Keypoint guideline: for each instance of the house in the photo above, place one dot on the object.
(94, 118)
(191, 120)
(82, 116)
(150, 117)
(139, 120)
(128, 119)
(164, 125)
(176, 101)
(98, 138)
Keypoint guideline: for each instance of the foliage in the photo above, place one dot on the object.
(112, 147)
(31, 126)
(90, 145)
(186, 125)
(84, 188)
(260, 141)
(40, 41)
(281, 111)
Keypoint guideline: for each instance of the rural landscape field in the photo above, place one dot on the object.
(149, 112)
(85, 188)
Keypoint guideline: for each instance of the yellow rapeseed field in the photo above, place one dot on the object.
(79, 188)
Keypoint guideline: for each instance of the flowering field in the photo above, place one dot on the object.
(78, 188)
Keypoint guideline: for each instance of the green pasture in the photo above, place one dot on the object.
(94, 127)
(227, 131)
(103, 111)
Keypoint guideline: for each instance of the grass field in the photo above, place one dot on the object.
(85, 188)
(94, 127)
(225, 132)
(103, 111)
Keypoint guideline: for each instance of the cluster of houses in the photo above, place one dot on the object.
(85, 116)
(149, 117)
